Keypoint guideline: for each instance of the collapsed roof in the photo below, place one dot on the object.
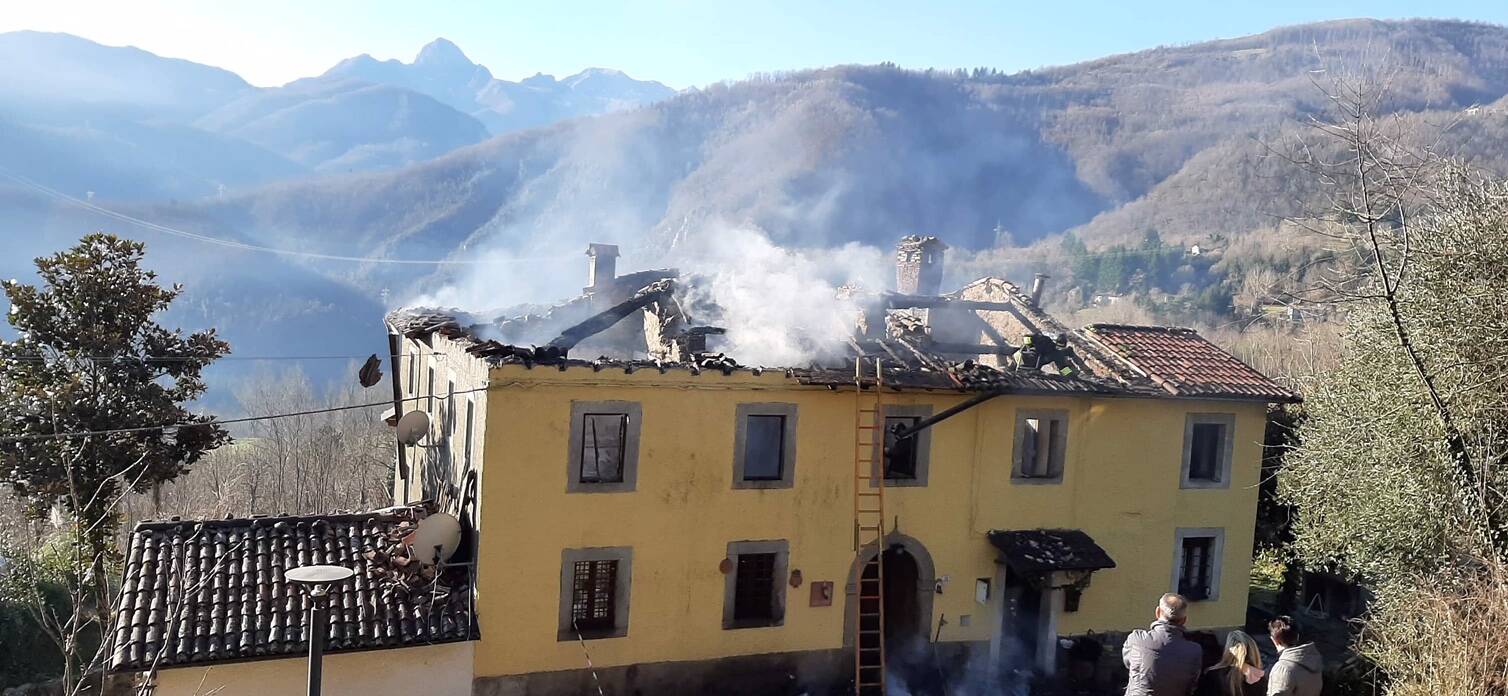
(987, 336)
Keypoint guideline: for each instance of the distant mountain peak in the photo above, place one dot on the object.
(441, 51)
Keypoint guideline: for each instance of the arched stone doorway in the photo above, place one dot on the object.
(910, 581)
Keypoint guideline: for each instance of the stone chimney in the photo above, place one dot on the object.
(919, 265)
(602, 265)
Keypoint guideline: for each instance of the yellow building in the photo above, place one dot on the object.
(671, 522)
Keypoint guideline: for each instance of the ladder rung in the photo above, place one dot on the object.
(870, 493)
(869, 649)
(868, 632)
(871, 596)
(865, 528)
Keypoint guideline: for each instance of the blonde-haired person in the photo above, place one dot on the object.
(1239, 671)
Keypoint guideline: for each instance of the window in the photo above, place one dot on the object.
(1197, 564)
(764, 447)
(470, 421)
(594, 586)
(754, 588)
(604, 444)
(1207, 442)
(1040, 445)
(413, 374)
(905, 459)
(900, 453)
(602, 440)
(429, 403)
(754, 593)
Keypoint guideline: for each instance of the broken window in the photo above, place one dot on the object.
(900, 453)
(593, 595)
(1041, 438)
(764, 444)
(1206, 450)
(754, 589)
(1196, 575)
(603, 440)
(602, 456)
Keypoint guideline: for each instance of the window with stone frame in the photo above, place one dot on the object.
(901, 454)
(1041, 443)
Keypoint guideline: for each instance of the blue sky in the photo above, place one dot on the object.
(683, 42)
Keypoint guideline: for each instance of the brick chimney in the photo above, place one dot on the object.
(919, 265)
(602, 265)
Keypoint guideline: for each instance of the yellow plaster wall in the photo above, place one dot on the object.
(430, 670)
(1120, 486)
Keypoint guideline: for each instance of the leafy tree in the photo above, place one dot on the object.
(90, 358)
(1398, 476)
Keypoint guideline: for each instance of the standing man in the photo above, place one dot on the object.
(1300, 670)
(1161, 660)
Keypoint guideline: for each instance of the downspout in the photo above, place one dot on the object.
(392, 351)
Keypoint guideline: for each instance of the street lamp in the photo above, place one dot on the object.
(317, 581)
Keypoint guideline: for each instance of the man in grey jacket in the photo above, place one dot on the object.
(1300, 670)
(1162, 662)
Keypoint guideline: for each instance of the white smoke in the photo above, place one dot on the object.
(780, 306)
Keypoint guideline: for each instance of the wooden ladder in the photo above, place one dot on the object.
(869, 532)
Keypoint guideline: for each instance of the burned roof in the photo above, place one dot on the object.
(197, 592)
(1183, 363)
(1047, 550)
(987, 336)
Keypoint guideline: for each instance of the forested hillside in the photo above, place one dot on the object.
(1103, 174)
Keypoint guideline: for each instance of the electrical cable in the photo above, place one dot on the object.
(227, 421)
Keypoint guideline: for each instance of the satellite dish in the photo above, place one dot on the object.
(371, 372)
(441, 530)
(413, 427)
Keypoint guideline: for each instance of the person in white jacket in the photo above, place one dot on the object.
(1300, 669)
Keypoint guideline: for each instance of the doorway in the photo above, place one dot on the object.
(1021, 627)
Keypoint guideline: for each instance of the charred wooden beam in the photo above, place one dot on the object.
(895, 300)
(605, 319)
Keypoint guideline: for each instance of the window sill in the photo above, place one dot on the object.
(618, 487)
(754, 623)
(595, 634)
(901, 483)
(1200, 484)
(1037, 480)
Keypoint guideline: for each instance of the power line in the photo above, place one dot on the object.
(246, 246)
(227, 421)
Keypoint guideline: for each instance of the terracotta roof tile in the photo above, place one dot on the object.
(1185, 364)
(213, 591)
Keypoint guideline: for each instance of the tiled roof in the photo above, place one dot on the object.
(213, 591)
(1185, 364)
(1045, 550)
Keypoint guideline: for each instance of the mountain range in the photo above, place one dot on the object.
(1175, 141)
(124, 124)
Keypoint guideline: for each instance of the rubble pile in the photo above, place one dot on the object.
(402, 571)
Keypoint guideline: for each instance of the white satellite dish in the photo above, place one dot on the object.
(413, 427)
(441, 530)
